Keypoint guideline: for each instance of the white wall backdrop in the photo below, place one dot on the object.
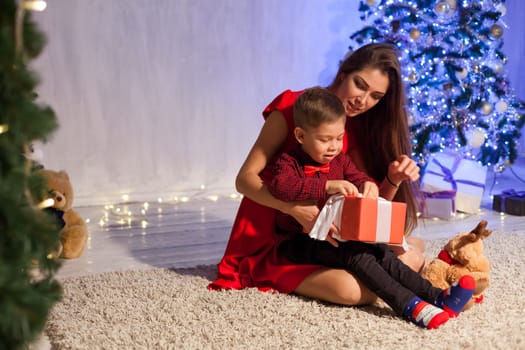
(157, 98)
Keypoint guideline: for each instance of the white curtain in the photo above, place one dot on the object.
(164, 97)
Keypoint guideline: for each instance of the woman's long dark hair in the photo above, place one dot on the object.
(381, 133)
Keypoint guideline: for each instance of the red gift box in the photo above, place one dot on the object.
(370, 220)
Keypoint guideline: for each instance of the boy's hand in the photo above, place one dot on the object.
(341, 186)
(369, 190)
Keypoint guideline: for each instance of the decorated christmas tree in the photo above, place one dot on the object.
(27, 233)
(459, 98)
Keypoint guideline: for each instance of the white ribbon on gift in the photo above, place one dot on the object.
(384, 220)
(332, 208)
(331, 214)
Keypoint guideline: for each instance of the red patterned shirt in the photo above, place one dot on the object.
(290, 184)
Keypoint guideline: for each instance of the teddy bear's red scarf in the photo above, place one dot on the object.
(445, 256)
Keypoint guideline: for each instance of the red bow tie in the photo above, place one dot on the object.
(310, 170)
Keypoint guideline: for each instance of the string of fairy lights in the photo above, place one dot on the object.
(145, 214)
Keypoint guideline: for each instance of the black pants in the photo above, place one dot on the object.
(375, 265)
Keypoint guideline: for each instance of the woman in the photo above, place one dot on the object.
(370, 86)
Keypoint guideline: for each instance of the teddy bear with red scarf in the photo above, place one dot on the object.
(462, 255)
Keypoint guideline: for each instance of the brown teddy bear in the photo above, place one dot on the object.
(74, 233)
(462, 255)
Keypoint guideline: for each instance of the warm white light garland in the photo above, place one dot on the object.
(34, 5)
(134, 214)
(46, 203)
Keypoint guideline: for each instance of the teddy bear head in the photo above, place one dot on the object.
(466, 248)
(59, 188)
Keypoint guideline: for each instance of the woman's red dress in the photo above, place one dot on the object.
(251, 258)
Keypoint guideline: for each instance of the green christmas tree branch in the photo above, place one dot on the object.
(27, 233)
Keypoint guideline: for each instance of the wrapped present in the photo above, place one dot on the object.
(510, 201)
(467, 177)
(362, 219)
(440, 204)
(370, 220)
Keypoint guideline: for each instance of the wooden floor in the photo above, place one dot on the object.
(192, 231)
(141, 235)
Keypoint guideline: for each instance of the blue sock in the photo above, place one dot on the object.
(424, 314)
(453, 299)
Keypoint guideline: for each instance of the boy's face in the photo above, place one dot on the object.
(323, 143)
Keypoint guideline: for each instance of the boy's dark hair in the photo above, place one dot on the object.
(315, 106)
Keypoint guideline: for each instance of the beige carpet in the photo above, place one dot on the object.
(164, 309)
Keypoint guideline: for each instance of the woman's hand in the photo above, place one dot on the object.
(402, 169)
(305, 213)
(330, 239)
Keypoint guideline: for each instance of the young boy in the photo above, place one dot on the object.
(315, 169)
